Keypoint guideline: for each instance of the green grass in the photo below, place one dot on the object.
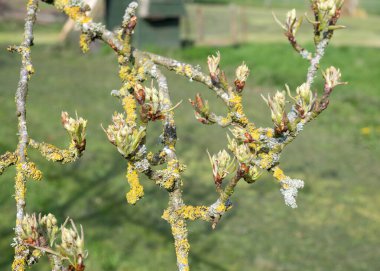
(336, 226)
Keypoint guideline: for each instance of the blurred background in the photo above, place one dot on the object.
(337, 224)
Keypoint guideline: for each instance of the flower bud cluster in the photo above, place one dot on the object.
(30, 229)
(241, 151)
(304, 100)
(151, 109)
(327, 6)
(72, 246)
(202, 109)
(327, 12)
(213, 67)
(76, 129)
(125, 137)
(332, 77)
(222, 165)
(41, 233)
(242, 73)
(253, 174)
(277, 106)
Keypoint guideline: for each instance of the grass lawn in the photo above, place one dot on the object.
(336, 226)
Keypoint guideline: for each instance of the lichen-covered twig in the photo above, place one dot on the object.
(21, 251)
(76, 129)
(6, 160)
(26, 169)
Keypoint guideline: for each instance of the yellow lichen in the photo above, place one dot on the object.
(165, 215)
(185, 70)
(30, 170)
(128, 76)
(20, 187)
(137, 191)
(61, 4)
(171, 173)
(30, 3)
(266, 160)
(19, 261)
(141, 72)
(36, 253)
(222, 208)
(52, 153)
(193, 212)
(270, 133)
(84, 43)
(129, 104)
(124, 72)
(6, 160)
(188, 71)
(34, 172)
(278, 174)
(30, 69)
(236, 102)
(76, 14)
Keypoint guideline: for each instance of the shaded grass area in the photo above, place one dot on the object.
(336, 226)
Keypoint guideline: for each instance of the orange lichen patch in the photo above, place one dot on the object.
(129, 104)
(137, 191)
(193, 212)
(278, 174)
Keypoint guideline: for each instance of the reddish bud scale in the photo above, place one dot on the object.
(214, 79)
(132, 24)
(239, 85)
(198, 101)
(249, 138)
(218, 180)
(243, 169)
(140, 96)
